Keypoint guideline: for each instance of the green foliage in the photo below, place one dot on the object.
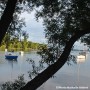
(2, 48)
(62, 18)
(24, 45)
(36, 69)
(16, 85)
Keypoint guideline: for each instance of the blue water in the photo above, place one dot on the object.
(68, 76)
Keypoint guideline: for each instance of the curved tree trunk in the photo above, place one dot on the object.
(52, 69)
(6, 18)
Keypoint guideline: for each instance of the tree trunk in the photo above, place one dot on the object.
(52, 69)
(6, 18)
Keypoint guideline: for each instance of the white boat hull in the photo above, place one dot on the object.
(81, 58)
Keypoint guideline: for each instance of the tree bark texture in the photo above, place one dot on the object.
(6, 18)
(5, 21)
(52, 69)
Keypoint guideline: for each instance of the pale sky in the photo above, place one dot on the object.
(35, 29)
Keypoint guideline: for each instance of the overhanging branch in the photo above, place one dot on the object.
(52, 69)
(6, 18)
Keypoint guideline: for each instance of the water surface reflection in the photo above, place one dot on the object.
(76, 75)
(73, 75)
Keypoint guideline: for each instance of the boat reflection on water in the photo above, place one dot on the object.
(81, 58)
(12, 64)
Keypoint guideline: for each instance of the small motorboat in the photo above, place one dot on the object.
(81, 58)
(11, 56)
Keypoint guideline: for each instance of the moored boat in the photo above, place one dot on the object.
(21, 53)
(81, 57)
(11, 57)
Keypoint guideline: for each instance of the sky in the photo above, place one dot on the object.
(34, 29)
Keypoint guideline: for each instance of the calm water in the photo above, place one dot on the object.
(68, 76)
(10, 69)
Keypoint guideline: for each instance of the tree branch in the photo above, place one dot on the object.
(52, 69)
(6, 18)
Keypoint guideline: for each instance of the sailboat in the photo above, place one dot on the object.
(81, 58)
(10, 55)
(82, 55)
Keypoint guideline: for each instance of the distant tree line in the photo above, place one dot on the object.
(65, 22)
(19, 45)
